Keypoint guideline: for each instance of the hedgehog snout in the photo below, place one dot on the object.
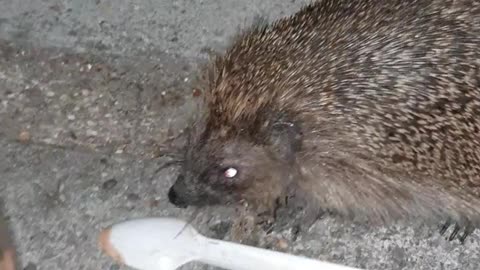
(175, 193)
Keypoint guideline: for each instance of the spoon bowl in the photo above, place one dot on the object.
(151, 243)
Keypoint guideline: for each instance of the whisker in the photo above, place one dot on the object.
(167, 151)
(167, 155)
(167, 164)
(189, 221)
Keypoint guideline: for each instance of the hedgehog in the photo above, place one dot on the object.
(363, 108)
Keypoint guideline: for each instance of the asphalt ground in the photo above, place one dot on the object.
(88, 91)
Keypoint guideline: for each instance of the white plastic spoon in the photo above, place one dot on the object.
(167, 243)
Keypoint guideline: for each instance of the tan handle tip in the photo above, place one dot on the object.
(7, 261)
(106, 246)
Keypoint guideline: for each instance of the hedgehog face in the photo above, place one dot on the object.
(235, 170)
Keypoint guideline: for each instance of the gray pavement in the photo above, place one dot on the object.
(89, 88)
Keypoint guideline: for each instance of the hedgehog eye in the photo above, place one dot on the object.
(230, 172)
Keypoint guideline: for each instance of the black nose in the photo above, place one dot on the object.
(175, 199)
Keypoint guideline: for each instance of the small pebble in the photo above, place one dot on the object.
(109, 184)
(153, 203)
(133, 197)
(72, 135)
(91, 133)
(71, 117)
(85, 92)
(196, 92)
(50, 94)
(24, 136)
(282, 244)
(30, 266)
(220, 229)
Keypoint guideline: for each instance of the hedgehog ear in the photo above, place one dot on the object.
(286, 139)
